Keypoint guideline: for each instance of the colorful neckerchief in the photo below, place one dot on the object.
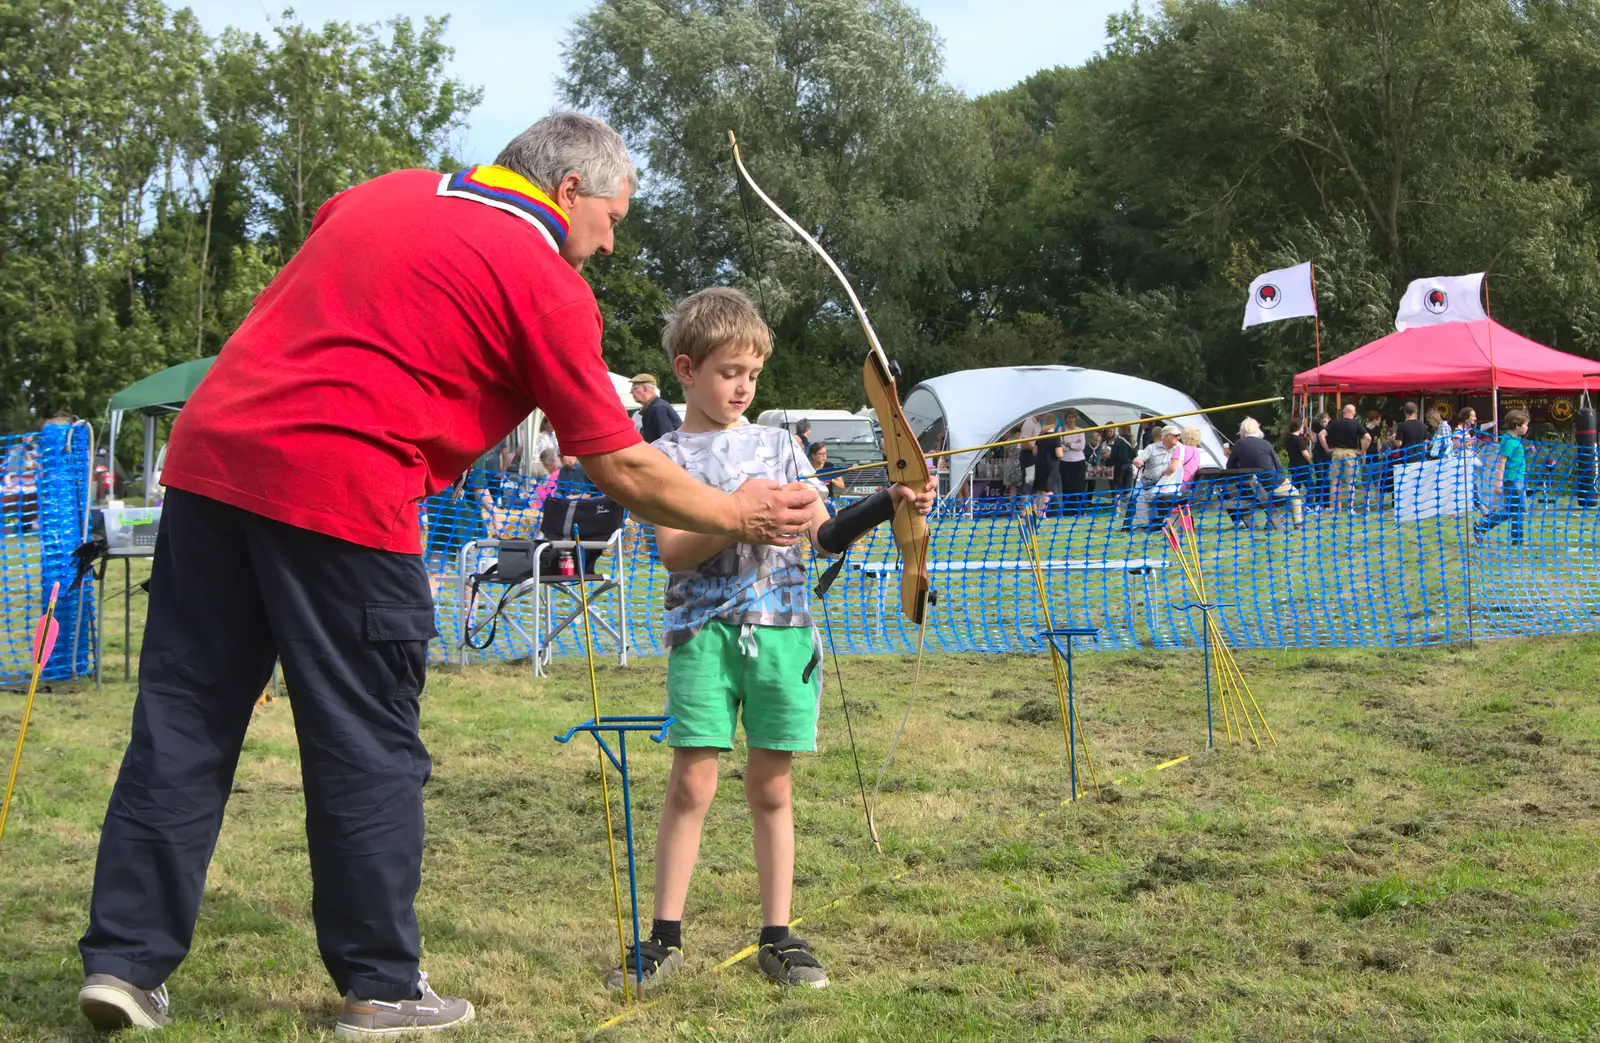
(505, 189)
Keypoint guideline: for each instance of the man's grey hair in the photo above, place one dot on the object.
(1249, 428)
(571, 143)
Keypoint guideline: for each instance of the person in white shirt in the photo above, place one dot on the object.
(1160, 469)
(1074, 465)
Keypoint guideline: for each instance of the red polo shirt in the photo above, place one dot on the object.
(408, 336)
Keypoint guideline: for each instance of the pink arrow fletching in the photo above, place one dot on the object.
(44, 638)
(44, 634)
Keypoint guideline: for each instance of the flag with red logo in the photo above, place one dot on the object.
(1448, 298)
(1284, 294)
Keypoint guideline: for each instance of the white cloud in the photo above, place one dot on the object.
(512, 49)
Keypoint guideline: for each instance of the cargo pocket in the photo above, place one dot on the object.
(396, 649)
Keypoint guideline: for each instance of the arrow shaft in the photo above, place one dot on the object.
(938, 454)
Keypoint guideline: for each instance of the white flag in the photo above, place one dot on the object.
(1433, 302)
(1283, 294)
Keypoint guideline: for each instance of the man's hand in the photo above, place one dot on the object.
(923, 500)
(778, 516)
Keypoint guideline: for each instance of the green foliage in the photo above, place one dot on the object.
(843, 120)
(152, 179)
(1112, 215)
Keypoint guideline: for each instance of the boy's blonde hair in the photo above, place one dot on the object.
(705, 321)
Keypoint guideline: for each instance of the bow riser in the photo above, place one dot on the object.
(906, 466)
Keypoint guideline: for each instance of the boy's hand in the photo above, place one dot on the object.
(778, 516)
(923, 500)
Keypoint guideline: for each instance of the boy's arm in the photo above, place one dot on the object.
(681, 551)
(833, 535)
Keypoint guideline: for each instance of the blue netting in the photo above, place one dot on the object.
(44, 489)
(1399, 569)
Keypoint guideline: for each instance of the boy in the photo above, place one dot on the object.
(1512, 463)
(739, 634)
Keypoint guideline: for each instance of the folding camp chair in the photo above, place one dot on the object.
(531, 571)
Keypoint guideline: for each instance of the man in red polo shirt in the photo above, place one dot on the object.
(424, 317)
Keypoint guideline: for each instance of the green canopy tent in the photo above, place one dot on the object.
(163, 392)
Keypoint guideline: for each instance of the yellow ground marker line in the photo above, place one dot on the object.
(750, 950)
(1163, 766)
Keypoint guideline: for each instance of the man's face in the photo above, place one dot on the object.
(819, 458)
(643, 393)
(1169, 439)
(591, 220)
(723, 384)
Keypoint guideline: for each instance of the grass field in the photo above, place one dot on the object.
(1417, 860)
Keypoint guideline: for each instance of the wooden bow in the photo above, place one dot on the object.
(906, 466)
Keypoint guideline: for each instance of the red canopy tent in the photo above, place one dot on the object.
(1449, 357)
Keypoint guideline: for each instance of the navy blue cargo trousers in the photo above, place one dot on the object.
(230, 591)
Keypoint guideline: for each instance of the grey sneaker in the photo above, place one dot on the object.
(429, 1012)
(111, 1003)
(790, 962)
(660, 963)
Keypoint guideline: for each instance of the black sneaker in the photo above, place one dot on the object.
(660, 962)
(430, 1012)
(790, 962)
(111, 1003)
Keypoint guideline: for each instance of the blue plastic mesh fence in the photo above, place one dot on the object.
(44, 489)
(1382, 555)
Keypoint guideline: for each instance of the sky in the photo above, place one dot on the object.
(512, 48)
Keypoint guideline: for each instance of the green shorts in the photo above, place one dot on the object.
(725, 667)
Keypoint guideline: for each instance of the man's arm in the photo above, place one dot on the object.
(650, 485)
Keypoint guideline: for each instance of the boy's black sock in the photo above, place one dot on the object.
(773, 935)
(668, 933)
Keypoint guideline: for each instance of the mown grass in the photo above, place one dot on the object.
(1415, 861)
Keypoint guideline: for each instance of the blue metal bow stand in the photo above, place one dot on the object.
(1206, 608)
(657, 728)
(1068, 633)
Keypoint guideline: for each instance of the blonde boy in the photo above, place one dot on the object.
(739, 633)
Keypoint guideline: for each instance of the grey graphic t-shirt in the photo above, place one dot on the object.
(765, 586)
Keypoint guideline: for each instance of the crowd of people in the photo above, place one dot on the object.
(1060, 462)
(1345, 463)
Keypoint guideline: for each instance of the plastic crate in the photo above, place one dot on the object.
(131, 530)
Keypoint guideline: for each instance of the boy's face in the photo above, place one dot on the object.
(723, 385)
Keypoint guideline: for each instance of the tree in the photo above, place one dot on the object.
(152, 179)
(99, 100)
(844, 121)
